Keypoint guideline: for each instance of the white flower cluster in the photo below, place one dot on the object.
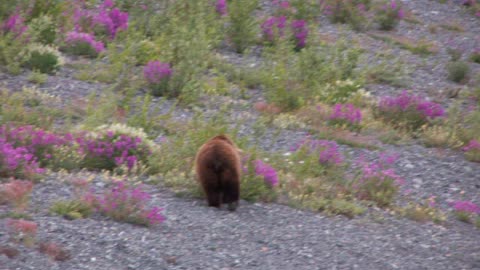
(42, 49)
(119, 128)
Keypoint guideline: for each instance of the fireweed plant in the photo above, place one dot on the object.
(221, 7)
(125, 203)
(17, 161)
(389, 15)
(267, 172)
(17, 192)
(345, 115)
(472, 150)
(38, 142)
(407, 111)
(83, 44)
(465, 210)
(377, 181)
(274, 28)
(106, 21)
(15, 24)
(259, 180)
(316, 157)
(22, 231)
(158, 75)
(109, 147)
(353, 12)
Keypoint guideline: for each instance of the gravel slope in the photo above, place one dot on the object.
(272, 236)
(257, 236)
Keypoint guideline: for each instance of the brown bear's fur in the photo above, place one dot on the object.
(218, 170)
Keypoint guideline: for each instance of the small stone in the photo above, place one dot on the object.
(409, 166)
(417, 181)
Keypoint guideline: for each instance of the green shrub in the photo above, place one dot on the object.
(10, 48)
(43, 58)
(305, 9)
(458, 71)
(42, 30)
(389, 14)
(475, 57)
(186, 39)
(29, 107)
(254, 187)
(345, 11)
(72, 209)
(423, 212)
(242, 26)
(37, 77)
(377, 181)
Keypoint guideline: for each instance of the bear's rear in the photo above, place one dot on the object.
(218, 169)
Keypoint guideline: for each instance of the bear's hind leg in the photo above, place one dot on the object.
(231, 189)
(211, 186)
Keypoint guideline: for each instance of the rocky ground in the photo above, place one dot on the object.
(273, 236)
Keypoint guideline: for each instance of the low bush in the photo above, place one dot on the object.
(465, 211)
(72, 209)
(472, 150)
(346, 11)
(22, 231)
(158, 76)
(16, 193)
(458, 71)
(42, 30)
(78, 43)
(377, 181)
(242, 27)
(126, 204)
(407, 111)
(44, 58)
(389, 14)
(345, 115)
(475, 56)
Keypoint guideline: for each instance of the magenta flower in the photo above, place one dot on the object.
(221, 7)
(269, 174)
(76, 38)
(125, 203)
(14, 24)
(346, 112)
(300, 32)
(466, 206)
(329, 152)
(393, 4)
(155, 72)
(473, 145)
(272, 25)
(409, 108)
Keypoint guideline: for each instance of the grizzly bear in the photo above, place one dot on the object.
(218, 169)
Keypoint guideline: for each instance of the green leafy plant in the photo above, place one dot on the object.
(423, 212)
(44, 58)
(377, 181)
(71, 209)
(30, 107)
(10, 50)
(389, 14)
(37, 77)
(475, 56)
(345, 11)
(407, 111)
(42, 30)
(458, 71)
(305, 9)
(242, 26)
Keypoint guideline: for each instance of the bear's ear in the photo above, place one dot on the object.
(223, 137)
